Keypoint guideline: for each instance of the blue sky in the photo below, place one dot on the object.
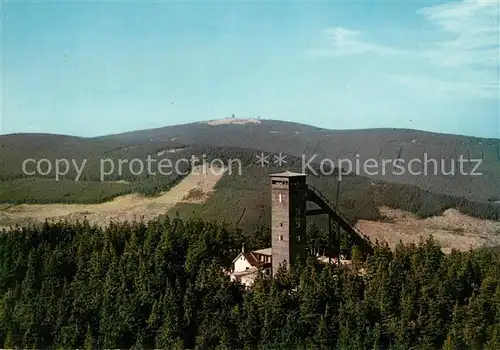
(92, 68)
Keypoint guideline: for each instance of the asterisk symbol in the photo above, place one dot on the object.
(262, 159)
(280, 159)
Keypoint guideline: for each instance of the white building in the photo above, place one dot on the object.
(247, 266)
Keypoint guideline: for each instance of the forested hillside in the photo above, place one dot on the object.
(17, 187)
(244, 200)
(273, 136)
(300, 139)
(161, 285)
(240, 199)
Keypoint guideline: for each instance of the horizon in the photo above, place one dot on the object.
(95, 69)
(261, 120)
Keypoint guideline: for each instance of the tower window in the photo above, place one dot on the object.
(298, 238)
(281, 237)
(281, 224)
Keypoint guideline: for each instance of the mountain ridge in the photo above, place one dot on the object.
(294, 139)
(262, 121)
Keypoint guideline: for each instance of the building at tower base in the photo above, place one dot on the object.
(248, 265)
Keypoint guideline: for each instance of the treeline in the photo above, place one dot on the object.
(107, 170)
(47, 191)
(84, 153)
(161, 285)
(425, 203)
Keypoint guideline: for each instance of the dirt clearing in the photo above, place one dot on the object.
(452, 229)
(128, 207)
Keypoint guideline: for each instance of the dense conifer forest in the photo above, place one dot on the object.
(161, 285)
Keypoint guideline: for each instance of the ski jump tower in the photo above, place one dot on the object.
(290, 194)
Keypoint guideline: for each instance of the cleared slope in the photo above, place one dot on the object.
(452, 230)
(128, 207)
